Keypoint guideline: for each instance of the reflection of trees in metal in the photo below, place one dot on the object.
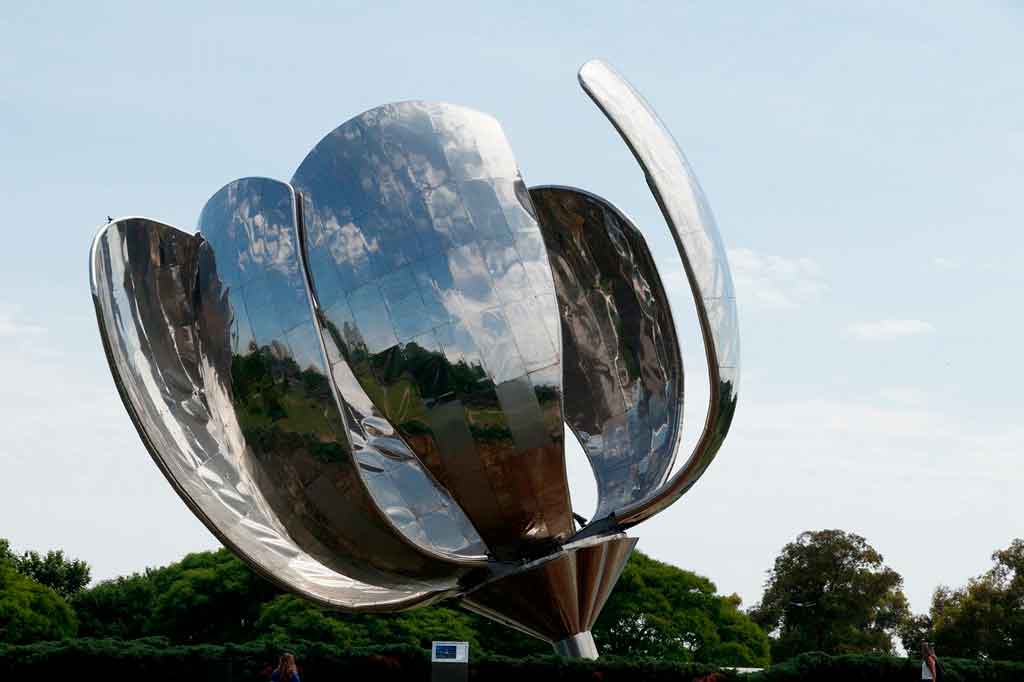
(279, 405)
(356, 379)
(622, 367)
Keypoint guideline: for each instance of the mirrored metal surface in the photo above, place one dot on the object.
(357, 385)
(693, 228)
(623, 375)
(170, 354)
(303, 448)
(429, 269)
(573, 584)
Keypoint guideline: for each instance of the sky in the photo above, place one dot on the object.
(864, 162)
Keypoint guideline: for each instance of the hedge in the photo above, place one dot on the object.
(158, 660)
(861, 668)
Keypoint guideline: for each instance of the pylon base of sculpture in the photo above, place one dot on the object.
(577, 646)
(557, 598)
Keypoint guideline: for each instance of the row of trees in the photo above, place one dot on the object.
(827, 591)
(657, 610)
(830, 591)
(34, 590)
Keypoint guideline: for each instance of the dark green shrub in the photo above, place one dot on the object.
(156, 660)
(607, 669)
(861, 668)
(30, 611)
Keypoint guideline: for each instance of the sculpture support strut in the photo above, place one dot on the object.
(578, 646)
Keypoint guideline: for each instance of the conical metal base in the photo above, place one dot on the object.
(577, 646)
(557, 598)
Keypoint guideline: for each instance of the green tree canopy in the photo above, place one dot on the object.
(65, 576)
(206, 597)
(658, 610)
(29, 611)
(830, 591)
(291, 617)
(985, 618)
(118, 608)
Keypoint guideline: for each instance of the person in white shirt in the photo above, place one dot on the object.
(928, 671)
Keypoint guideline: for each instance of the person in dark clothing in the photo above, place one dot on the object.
(286, 670)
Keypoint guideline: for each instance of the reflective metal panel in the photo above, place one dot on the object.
(300, 445)
(429, 269)
(622, 370)
(166, 324)
(573, 584)
(692, 225)
(356, 384)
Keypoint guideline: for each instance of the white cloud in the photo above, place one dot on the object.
(941, 263)
(774, 282)
(11, 326)
(906, 476)
(889, 329)
(903, 394)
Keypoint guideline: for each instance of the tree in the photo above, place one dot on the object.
(118, 608)
(985, 618)
(913, 631)
(289, 617)
(65, 576)
(658, 610)
(830, 591)
(206, 597)
(30, 612)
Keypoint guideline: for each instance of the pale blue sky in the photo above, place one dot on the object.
(865, 164)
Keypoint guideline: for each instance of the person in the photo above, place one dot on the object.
(928, 666)
(286, 670)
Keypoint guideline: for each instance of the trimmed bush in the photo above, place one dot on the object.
(607, 669)
(154, 659)
(862, 668)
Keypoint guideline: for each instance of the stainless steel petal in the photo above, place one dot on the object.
(304, 449)
(430, 272)
(170, 328)
(623, 374)
(704, 259)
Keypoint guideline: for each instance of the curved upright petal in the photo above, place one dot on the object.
(427, 260)
(623, 374)
(169, 327)
(314, 463)
(700, 247)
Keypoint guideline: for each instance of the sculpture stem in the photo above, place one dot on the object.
(580, 645)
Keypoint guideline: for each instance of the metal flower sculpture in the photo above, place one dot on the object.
(358, 380)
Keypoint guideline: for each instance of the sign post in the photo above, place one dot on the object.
(449, 661)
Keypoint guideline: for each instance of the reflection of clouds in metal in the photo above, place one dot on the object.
(281, 295)
(623, 372)
(447, 289)
(356, 380)
(702, 252)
